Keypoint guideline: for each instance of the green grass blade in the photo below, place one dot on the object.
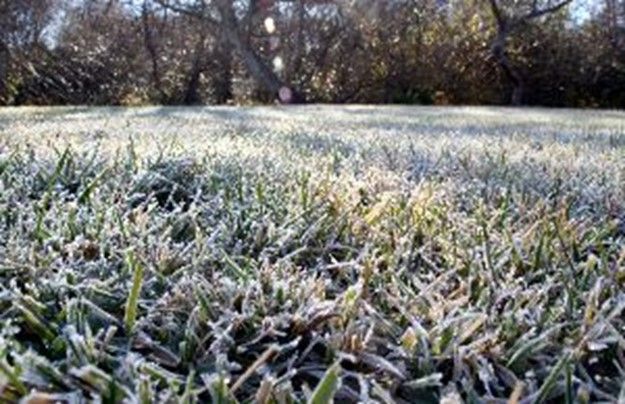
(327, 387)
(130, 314)
(552, 379)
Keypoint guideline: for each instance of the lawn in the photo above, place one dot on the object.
(281, 255)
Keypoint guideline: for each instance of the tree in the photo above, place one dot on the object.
(366, 51)
(232, 24)
(4, 71)
(509, 17)
(22, 24)
(148, 25)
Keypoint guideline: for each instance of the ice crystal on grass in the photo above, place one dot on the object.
(311, 254)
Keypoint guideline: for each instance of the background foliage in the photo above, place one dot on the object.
(127, 52)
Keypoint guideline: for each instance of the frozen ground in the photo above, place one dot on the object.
(365, 253)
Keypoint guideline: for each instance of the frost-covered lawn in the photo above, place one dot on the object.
(392, 254)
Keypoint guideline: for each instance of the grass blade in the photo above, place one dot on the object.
(130, 314)
(327, 387)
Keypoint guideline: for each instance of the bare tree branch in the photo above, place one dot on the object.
(539, 12)
(195, 10)
(494, 6)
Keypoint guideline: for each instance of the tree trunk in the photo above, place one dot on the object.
(192, 92)
(152, 51)
(515, 78)
(254, 64)
(4, 73)
(300, 43)
(518, 91)
(222, 85)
